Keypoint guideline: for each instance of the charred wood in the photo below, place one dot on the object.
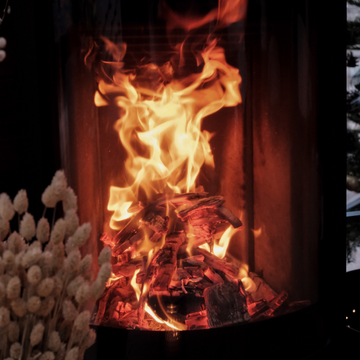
(226, 214)
(263, 290)
(257, 307)
(197, 321)
(213, 276)
(126, 269)
(225, 305)
(167, 260)
(218, 264)
(195, 260)
(212, 202)
(276, 303)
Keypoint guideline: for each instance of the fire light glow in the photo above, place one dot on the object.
(220, 249)
(164, 120)
(160, 118)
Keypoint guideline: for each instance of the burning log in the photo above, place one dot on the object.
(149, 216)
(196, 260)
(226, 214)
(225, 304)
(276, 303)
(126, 269)
(133, 237)
(181, 274)
(103, 301)
(256, 308)
(218, 264)
(157, 223)
(141, 274)
(195, 271)
(197, 321)
(172, 272)
(167, 261)
(213, 276)
(263, 290)
(212, 203)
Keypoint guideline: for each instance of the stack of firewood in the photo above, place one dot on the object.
(184, 284)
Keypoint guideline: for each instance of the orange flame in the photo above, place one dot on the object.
(175, 326)
(220, 249)
(257, 232)
(135, 285)
(112, 278)
(205, 246)
(227, 12)
(160, 124)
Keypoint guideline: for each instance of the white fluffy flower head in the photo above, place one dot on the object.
(69, 201)
(59, 183)
(72, 354)
(31, 257)
(18, 306)
(33, 304)
(50, 197)
(27, 226)
(34, 274)
(71, 221)
(79, 238)
(82, 320)
(13, 288)
(85, 264)
(21, 202)
(45, 287)
(47, 355)
(58, 232)
(54, 341)
(15, 243)
(36, 334)
(71, 263)
(43, 230)
(4, 229)
(105, 255)
(7, 210)
(15, 350)
(13, 331)
(4, 316)
(69, 310)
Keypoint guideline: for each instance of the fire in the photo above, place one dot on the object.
(112, 279)
(159, 320)
(220, 249)
(160, 127)
(257, 232)
(160, 124)
(135, 285)
(205, 246)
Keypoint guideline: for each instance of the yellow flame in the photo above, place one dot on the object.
(112, 278)
(135, 285)
(160, 122)
(249, 284)
(243, 271)
(257, 232)
(159, 320)
(205, 247)
(220, 249)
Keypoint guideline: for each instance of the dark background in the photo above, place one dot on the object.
(28, 114)
(29, 135)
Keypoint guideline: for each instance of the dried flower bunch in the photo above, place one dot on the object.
(45, 284)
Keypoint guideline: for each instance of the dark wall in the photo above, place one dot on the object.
(28, 116)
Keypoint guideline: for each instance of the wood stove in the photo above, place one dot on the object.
(266, 148)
